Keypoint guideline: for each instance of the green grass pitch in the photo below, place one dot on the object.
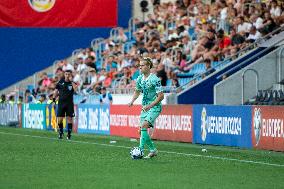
(37, 159)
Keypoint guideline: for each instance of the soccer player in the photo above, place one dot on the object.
(65, 89)
(150, 85)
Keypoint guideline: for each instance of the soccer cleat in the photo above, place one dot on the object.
(68, 137)
(151, 154)
(60, 136)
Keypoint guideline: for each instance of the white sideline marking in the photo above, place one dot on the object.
(161, 151)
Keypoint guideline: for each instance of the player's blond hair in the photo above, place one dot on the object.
(148, 61)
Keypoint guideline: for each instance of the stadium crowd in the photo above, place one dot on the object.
(179, 37)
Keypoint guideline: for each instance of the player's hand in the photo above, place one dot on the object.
(146, 108)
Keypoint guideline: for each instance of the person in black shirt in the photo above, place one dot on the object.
(65, 89)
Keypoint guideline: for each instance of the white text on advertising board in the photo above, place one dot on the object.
(224, 125)
(34, 119)
(273, 128)
(124, 120)
(93, 119)
(174, 122)
(104, 120)
(82, 120)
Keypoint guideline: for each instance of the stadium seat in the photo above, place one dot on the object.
(169, 82)
(30, 87)
(268, 97)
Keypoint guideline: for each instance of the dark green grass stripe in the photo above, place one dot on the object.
(161, 151)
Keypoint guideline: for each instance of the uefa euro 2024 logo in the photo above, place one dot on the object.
(41, 5)
(203, 124)
(257, 123)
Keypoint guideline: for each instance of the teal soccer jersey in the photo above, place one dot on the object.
(149, 87)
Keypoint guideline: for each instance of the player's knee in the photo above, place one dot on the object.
(146, 124)
(69, 119)
(60, 120)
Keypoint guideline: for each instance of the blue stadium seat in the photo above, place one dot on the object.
(30, 87)
(98, 65)
(169, 82)
(183, 81)
(191, 31)
(50, 75)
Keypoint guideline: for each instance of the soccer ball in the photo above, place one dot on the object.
(136, 153)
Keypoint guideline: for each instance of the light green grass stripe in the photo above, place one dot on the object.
(161, 151)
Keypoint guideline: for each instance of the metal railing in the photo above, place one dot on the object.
(75, 54)
(131, 27)
(279, 62)
(243, 82)
(114, 32)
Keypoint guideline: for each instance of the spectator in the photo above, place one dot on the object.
(20, 100)
(81, 66)
(59, 73)
(209, 69)
(105, 97)
(50, 98)
(42, 99)
(83, 55)
(11, 99)
(236, 38)
(45, 80)
(90, 52)
(90, 61)
(28, 97)
(3, 98)
(161, 73)
(275, 10)
(175, 83)
(121, 37)
(253, 35)
(243, 26)
(107, 81)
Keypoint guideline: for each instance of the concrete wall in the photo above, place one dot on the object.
(229, 91)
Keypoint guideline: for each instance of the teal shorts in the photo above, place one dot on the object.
(149, 116)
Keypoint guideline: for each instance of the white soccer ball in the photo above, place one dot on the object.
(136, 153)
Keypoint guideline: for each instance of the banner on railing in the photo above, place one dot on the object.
(9, 114)
(174, 123)
(34, 116)
(222, 125)
(268, 127)
(93, 119)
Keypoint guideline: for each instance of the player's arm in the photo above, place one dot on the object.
(137, 91)
(135, 96)
(55, 94)
(160, 97)
(75, 86)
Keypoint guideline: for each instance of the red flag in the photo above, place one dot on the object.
(58, 13)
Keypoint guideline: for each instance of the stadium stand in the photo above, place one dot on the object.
(179, 37)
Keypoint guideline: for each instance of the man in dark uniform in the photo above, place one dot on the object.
(65, 89)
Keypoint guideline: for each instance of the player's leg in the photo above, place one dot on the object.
(150, 119)
(70, 115)
(145, 137)
(69, 127)
(60, 127)
(60, 116)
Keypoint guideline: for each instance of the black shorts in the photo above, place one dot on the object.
(65, 109)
